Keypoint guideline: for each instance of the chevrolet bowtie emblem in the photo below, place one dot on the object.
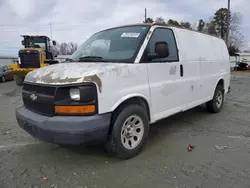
(33, 97)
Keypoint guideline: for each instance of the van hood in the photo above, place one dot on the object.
(69, 73)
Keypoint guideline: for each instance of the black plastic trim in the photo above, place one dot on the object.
(68, 101)
(32, 61)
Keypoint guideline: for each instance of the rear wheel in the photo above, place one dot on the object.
(19, 81)
(129, 132)
(215, 105)
(3, 79)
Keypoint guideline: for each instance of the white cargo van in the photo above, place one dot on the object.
(120, 81)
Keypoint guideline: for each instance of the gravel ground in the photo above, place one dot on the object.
(164, 162)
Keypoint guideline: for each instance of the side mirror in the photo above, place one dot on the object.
(23, 42)
(54, 43)
(161, 49)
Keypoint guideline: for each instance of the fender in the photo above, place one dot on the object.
(126, 97)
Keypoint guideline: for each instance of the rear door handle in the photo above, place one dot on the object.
(181, 70)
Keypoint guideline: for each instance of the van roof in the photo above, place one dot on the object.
(164, 25)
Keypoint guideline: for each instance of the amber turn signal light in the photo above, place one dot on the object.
(75, 109)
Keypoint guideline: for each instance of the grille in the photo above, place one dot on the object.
(40, 108)
(44, 103)
(29, 59)
(47, 90)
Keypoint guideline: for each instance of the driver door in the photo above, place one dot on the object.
(164, 75)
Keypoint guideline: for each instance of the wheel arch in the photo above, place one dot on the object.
(221, 82)
(135, 98)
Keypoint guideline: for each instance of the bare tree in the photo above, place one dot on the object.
(160, 20)
(210, 28)
(236, 40)
(63, 48)
(235, 21)
(55, 49)
(72, 47)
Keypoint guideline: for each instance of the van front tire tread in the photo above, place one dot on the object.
(113, 144)
(18, 80)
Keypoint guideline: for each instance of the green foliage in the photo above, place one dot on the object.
(173, 23)
(201, 26)
(148, 20)
(217, 26)
(220, 22)
(185, 25)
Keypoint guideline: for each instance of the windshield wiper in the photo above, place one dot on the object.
(68, 60)
(91, 59)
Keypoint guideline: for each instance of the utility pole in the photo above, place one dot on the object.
(228, 21)
(50, 31)
(145, 15)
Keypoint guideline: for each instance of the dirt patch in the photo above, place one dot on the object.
(11, 93)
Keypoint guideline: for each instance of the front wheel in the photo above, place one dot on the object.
(129, 132)
(19, 81)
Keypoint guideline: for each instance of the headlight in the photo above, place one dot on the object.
(76, 100)
(74, 94)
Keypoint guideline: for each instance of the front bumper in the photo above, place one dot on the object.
(71, 130)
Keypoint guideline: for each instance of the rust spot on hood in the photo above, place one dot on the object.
(48, 78)
(94, 78)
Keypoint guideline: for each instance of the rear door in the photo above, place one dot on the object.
(164, 76)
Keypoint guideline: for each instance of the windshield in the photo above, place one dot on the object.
(35, 43)
(113, 45)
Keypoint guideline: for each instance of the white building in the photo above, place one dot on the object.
(242, 57)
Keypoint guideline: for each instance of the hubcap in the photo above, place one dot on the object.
(132, 132)
(3, 79)
(219, 99)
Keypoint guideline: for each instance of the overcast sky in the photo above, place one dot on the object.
(78, 19)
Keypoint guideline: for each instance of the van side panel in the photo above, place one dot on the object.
(207, 55)
(215, 66)
(189, 53)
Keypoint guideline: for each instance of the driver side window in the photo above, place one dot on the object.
(163, 35)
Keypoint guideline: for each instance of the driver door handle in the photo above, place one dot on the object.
(181, 70)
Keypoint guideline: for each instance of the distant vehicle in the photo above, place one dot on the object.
(5, 74)
(35, 54)
(122, 80)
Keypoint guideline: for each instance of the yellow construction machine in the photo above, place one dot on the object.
(35, 54)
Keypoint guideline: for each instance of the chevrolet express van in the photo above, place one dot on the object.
(120, 81)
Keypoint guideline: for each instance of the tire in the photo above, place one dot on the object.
(19, 81)
(216, 104)
(122, 136)
(3, 79)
